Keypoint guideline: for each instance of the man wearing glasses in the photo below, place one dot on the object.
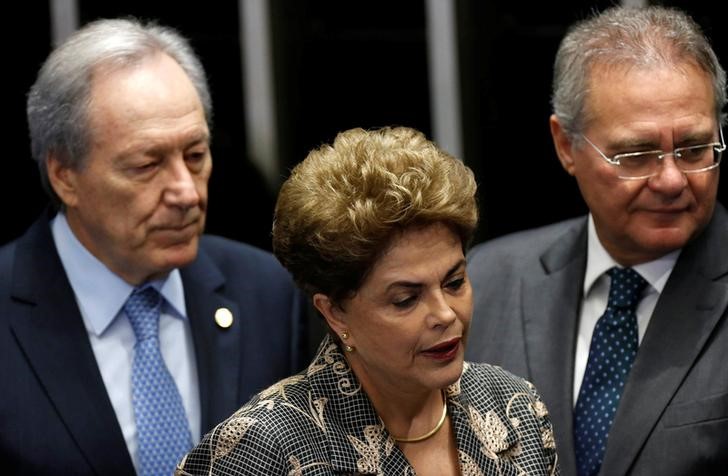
(620, 318)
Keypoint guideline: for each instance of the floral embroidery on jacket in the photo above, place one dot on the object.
(490, 430)
(468, 467)
(230, 434)
(369, 450)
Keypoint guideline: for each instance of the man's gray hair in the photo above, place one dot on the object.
(58, 101)
(632, 37)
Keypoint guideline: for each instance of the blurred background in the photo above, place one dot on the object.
(287, 75)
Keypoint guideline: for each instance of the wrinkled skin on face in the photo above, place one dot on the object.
(637, 109)
(138, 203)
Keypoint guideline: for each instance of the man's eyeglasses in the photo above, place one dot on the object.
(691, 159)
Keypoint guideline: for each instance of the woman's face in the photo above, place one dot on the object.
(409, 319)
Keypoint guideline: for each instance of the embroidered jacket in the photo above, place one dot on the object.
(320, 422)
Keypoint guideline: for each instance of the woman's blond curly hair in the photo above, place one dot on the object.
(341, 207)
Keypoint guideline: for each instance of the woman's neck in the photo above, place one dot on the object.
(405, 412)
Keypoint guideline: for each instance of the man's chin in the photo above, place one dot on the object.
(178, 254)
(664, 240)
(169, 249)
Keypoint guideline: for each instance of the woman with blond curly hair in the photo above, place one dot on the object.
(374, 228)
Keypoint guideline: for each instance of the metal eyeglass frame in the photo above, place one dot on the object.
(719, 147)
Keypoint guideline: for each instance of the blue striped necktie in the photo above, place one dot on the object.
(611, 354)
(162, 428)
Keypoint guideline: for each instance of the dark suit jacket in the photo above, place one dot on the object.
(673, 415)
(55, 415)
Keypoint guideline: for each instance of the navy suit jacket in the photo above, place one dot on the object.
(673, 415)
(55, 414)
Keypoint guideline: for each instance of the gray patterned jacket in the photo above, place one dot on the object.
(320, 422)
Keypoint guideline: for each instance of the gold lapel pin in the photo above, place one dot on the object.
(223, 317)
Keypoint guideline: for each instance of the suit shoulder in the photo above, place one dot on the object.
(530, 242)
(720, 219)
(7, 257)
(227, 254)
(224, 247)
(7, 251)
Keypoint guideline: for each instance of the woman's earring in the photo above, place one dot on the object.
(347, 347)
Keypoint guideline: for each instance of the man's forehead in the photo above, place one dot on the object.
(646, 95)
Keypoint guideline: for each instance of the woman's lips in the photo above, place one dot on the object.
(443, 351)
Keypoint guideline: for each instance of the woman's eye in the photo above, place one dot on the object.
(455, 284)
(406, 302)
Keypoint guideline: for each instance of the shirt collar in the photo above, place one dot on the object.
(87, 275)
(599, 261)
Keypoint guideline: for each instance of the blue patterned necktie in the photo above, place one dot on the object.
(611, 354)
(162, 428)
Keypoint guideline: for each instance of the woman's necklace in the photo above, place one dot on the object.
(429, 433)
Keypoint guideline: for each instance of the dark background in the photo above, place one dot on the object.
(351, 64)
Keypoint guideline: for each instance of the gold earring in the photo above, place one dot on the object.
(347, 347)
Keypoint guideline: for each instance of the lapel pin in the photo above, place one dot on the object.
(223, 317)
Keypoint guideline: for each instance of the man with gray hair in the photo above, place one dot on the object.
(125, 333)
(620, 317)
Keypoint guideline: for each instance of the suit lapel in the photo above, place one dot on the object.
(686, 314)
(551, 300)
(217, 350)
(50, 330)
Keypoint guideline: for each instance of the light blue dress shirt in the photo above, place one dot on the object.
(100, 295)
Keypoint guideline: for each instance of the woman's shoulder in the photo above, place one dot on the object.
(494, 379)
(274, 419)
(269, 405)
(484, 370)
(255, 438)
(268, 418)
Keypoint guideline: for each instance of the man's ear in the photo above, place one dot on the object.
(331, 312)
(62, 179)
(562, 143)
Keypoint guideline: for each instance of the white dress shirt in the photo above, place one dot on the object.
(100, 295)
(596, 294)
